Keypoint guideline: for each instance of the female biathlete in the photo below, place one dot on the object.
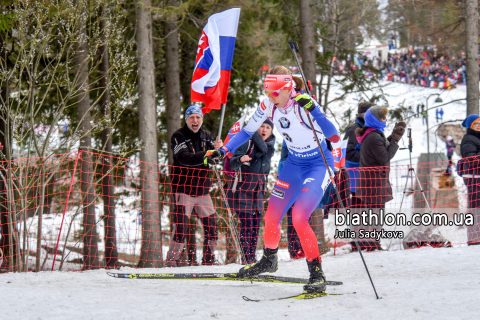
(304, 177)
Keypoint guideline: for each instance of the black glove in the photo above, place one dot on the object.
(305, 101)
(212, 155)
(398, 131)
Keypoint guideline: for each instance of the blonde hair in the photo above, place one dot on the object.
(299, 84)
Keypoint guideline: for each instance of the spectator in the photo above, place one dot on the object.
(246, 192)
(424, 113)
(470, 147)
(373, 185)
(191, 186)
(352, 159)
(450, 147)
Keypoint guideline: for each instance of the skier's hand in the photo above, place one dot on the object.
(212, 156)
(305, 101)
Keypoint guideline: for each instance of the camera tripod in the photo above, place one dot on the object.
(412, 175)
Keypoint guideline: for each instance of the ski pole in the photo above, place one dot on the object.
(294, 46)
(236, 237)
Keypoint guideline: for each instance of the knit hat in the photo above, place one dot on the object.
(380, 112)
(191, 110)
(470, 120)
(449, 138)
(364, 106)
(270, 123)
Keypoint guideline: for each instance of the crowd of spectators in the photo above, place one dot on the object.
(424, 67)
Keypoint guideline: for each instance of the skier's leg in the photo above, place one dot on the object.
(282, 197)
(316, 181)
(286, 190)
(310, 195)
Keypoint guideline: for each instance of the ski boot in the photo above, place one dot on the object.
(316, 283)
(173, 255)
(268, 263)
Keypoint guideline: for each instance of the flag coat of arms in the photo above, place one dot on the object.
(339, 152)
(213, 64)
(233, 131)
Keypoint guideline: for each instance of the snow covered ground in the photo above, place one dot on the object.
(425, 283)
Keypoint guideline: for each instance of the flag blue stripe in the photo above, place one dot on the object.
(227, 46)
(206, 61)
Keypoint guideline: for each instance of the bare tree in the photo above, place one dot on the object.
(172, 80)
(111, 253)
(90, 245)
(47, 79)
(151, 251)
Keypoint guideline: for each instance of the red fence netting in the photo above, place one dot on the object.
(84, 210)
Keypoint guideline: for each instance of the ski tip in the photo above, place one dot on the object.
(111, 274)
(248, 299)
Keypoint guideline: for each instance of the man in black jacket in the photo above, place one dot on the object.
(191, 185)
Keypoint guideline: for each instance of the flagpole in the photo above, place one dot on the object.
(221, 122)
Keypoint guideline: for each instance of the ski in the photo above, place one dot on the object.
(305, 295)
(215, 276)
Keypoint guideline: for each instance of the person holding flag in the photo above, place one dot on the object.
(304, 176)
(191, 186)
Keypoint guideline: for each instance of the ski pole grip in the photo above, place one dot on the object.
(293, 45)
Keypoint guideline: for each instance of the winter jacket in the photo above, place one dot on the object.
(373, 185)
(470, 149)
(249, 191)
(352, 159)
(190, 175)
(470, 145)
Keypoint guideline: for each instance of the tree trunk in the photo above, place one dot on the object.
(151, 251)
(90, 245)
(172, 79)
(309, 44)
(471, 50)
(7, 242)
(111, 253)
(330, 75)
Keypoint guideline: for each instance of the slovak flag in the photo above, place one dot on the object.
(213, 64)
(339, 152)
(233, 131)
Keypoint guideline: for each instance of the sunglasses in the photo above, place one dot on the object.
(276, 93)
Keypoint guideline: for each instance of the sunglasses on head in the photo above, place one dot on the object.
(276, 93)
